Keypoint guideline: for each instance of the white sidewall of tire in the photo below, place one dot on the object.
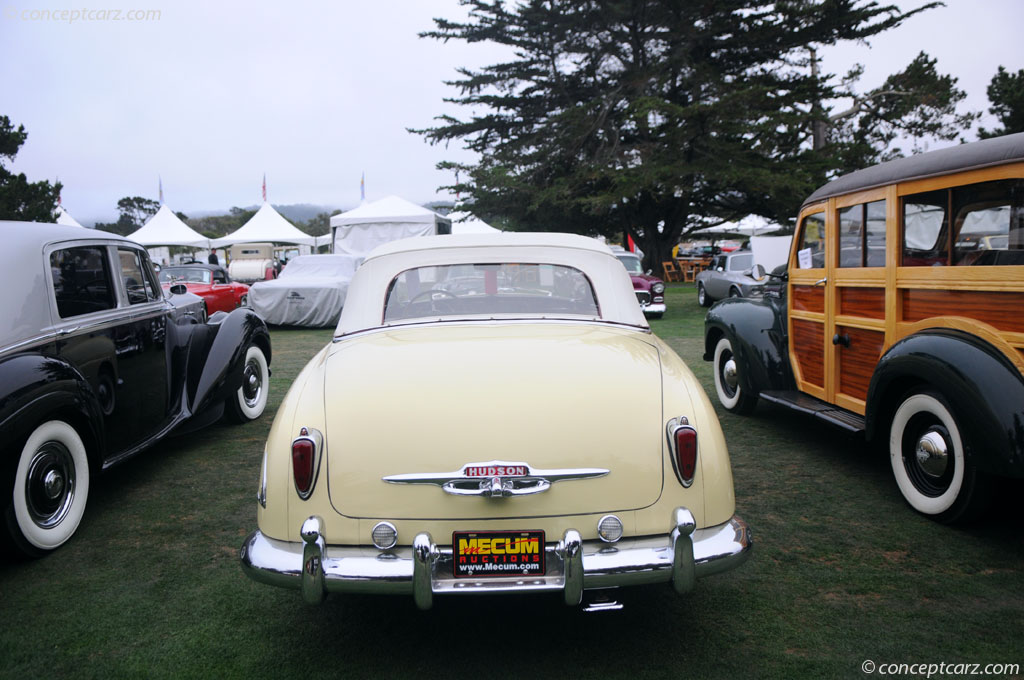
(48, 539)
(255, 411)
(729, 402)
(924, 403)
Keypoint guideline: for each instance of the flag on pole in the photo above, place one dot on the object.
(630, 244)
(362, 187)
(161, 181)
(264, 187)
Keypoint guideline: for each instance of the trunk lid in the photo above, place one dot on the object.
(431, 400)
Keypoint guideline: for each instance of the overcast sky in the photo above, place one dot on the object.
(209, 96)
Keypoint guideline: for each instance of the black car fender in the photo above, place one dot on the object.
(757, 331)
(35, 388)
(219, 369)
(981, 384)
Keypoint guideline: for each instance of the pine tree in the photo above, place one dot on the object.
(19, 198)
(653, 118)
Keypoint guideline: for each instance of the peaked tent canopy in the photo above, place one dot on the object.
(361, 229)
(468, 223)
(166, 229)
(266, 226)
(64, 217)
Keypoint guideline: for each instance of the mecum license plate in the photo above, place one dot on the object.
(498, 553)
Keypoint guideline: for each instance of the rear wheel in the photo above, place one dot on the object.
(703, 299)
(732, 393)
(250, 400)
(51, 487)
(927, 455)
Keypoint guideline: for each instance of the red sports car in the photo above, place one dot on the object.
(209, 281)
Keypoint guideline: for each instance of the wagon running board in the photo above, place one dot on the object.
(804, 403)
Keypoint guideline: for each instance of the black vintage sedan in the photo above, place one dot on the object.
(96, 364)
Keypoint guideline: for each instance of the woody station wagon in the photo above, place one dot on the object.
(493, 415)
(901, 318)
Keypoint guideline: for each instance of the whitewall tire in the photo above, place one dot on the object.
(926, 451)
(728, 382)
(250, 400)
(51, 487)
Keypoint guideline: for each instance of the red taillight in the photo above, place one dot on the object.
(686, 454)
(305, 461)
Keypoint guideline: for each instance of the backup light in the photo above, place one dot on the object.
(609, 528)
(384, 535)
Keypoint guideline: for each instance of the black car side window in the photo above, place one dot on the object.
(81, 280)
(135, 281)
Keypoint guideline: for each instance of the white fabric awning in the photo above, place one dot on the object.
(166, 229)
(266, 226)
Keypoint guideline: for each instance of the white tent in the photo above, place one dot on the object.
(166, 229)
(266, 226)
(361, 229)
(64, 217)
(751, 225)
(467, 223)
(770, 251)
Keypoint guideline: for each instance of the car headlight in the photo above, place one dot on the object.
(658, 288)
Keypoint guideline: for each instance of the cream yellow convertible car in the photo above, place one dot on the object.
(493, 415)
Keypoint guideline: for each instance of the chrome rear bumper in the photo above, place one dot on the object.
(425, 569)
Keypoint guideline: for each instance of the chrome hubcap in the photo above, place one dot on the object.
(252, 385)
(932, 454)
(50, 484)
(729, 374)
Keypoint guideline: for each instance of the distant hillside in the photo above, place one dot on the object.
(297, 212)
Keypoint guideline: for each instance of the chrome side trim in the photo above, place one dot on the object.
(424, 569)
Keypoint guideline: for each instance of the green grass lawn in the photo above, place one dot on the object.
(843, 571)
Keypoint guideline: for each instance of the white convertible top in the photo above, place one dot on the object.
(364, 307)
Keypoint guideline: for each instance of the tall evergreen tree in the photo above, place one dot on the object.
(1006, 94)
(19, 198)
(653, 117)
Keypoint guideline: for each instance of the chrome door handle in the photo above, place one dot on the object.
(67, 331)
(821, 282)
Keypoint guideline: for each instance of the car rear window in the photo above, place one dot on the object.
(81, 280)
(462, 290)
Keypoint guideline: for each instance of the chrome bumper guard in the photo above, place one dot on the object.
(425, 569)
(655, 308)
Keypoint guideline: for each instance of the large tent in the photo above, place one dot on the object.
(166, 229)
(361, 229)
(266, 226)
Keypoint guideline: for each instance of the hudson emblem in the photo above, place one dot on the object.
(495, 479)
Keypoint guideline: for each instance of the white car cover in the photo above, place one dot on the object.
(310, 291)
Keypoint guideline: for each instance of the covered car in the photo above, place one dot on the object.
(310, 291)
(493, 415)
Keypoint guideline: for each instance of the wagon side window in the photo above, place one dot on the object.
(925, 228)
(81, 280)
(989, 223)
(862, 235)
(811, 249)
